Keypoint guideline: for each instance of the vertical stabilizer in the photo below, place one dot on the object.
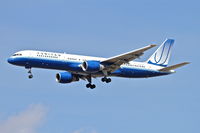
(162, 54)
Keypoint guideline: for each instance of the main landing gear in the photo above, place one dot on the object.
(90, 85)
(105, 79)
(30, 76)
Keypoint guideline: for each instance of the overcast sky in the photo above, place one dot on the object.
(104, 28)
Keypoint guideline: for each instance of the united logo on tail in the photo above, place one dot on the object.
(162, 54)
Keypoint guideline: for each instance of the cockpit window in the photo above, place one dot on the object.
(17, 55)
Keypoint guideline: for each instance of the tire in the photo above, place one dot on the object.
(109, 80)
(30, 76)
(103, 79)
(93, 86)
(88, 85)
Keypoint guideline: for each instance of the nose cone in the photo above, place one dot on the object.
(11, 60)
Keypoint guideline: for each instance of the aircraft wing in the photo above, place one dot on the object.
(113, 63)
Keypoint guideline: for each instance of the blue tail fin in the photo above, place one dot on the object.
(162, 55)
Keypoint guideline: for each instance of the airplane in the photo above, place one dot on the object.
(78, 67)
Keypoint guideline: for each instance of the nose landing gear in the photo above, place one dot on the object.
(30, 76)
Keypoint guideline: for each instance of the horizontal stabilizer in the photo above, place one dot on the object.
(166, 69)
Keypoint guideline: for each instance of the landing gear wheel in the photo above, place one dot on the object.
(108, 80)
(103, 79)
(30, 76)
(91, 86)
(88, 85)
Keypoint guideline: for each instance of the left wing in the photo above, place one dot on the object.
(113, 63)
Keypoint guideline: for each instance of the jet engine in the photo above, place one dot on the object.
(66, 77)
(92, 66)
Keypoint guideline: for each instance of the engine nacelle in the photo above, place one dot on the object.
(92, 66)
(66, 77)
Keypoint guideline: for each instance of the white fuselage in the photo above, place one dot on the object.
(80, 58)
(72, 63)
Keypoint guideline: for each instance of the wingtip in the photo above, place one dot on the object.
(187, 62)
(153, 45)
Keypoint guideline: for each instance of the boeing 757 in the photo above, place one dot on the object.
(78, 67)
